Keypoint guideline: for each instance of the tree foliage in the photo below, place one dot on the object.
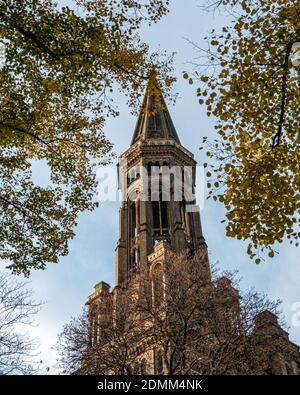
(248, 82)
(103, 340)
(194, 321)
(18, 351)
(60, 70)
(200, 321)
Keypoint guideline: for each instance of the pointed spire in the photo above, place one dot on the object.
(154, 121)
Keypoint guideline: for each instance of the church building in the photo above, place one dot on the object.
(151, 221)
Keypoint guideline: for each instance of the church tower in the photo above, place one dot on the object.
(157, 179)
(159, 214)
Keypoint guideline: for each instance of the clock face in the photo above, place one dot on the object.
(295, 56)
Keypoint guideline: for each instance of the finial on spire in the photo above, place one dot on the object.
(153, 88)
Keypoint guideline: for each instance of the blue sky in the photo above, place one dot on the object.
(65, 286)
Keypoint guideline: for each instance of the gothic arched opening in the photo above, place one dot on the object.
(160, 219)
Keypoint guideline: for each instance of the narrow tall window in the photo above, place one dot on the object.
(182, 207)
(149, 165)
(94, 326)
(164, 214)
(156, 215)
(134, 259)
(158, 285)
(132, 220)
(160, 216)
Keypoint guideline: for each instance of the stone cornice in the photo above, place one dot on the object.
(158, 148)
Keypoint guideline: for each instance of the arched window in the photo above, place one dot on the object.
(160, 217)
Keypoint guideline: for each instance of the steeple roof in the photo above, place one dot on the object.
(154, 121)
